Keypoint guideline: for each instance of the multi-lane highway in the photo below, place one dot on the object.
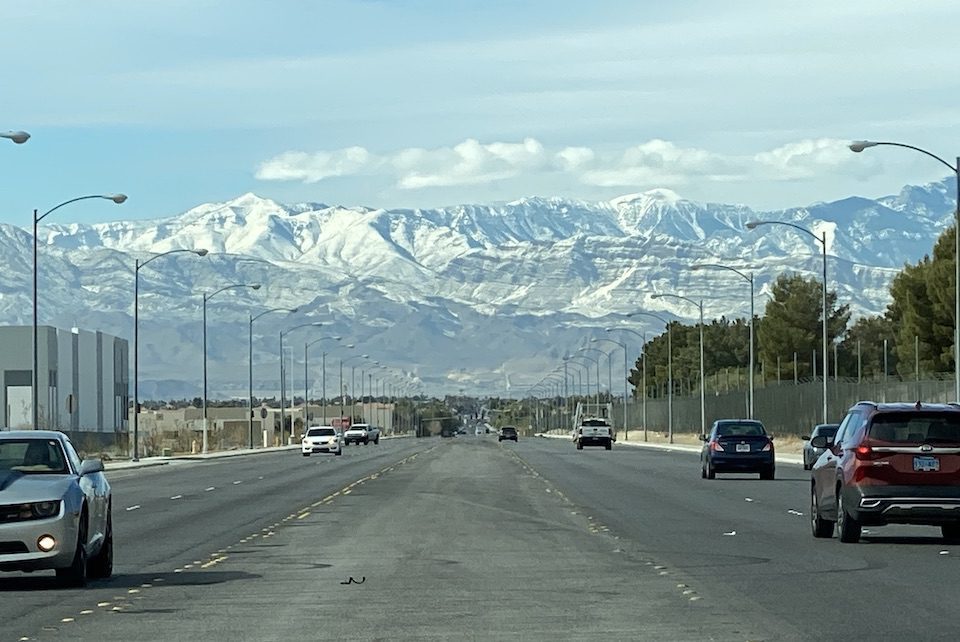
(469, 538)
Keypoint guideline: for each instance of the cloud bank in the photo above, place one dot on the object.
(656, 162)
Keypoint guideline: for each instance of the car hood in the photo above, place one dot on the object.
(18, 488)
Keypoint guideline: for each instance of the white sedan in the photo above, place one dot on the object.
(54, 508)
(321, 439)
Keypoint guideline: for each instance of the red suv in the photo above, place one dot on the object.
(890, 463)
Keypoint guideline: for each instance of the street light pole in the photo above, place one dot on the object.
(626, 375)
(859, 146)
(306, 387)
(669, 373)
(136, 342)
(699, 304)
(823, 240)
(283, 383)
(748, 277)
(207, 297)
(250, 366)
(19, 138)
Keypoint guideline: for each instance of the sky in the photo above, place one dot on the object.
(424, 103)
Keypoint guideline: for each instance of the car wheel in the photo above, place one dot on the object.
(76, 573)
(306, 454)
(820, 527)
(376, 441)
(703, 471)
(768, 473)
(339, 451)
(101, 565)
(711, 473)
(608, 446)
(807, 466)
(849, 528)
(579, 446)
(950, 532)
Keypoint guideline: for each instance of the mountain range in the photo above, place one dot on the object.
(481, 298)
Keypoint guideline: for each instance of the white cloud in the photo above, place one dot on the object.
(313, 168)
(808, 159)
(651, 164)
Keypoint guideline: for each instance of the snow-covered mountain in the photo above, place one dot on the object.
(466, 297)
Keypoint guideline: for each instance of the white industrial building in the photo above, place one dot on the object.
(83, 382)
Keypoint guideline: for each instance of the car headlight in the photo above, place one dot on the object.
(43, 510)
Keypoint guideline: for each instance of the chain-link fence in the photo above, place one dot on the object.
(785, 408)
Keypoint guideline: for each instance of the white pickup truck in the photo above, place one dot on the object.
(361, 434)
(593, 431)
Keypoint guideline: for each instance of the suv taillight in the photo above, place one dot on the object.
(767, 447)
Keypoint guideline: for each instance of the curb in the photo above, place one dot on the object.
(781, 459)
(164, 461)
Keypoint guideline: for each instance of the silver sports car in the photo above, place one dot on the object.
(54, 508)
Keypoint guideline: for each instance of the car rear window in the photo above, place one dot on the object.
(740, 430)
(916, 427)
(509, 429)
(321, 432)
(595, 422)
(825, 431)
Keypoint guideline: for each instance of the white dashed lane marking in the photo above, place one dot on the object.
(209, 489)
(134, 507)
(177, 497)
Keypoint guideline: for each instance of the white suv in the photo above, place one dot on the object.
(322, 439)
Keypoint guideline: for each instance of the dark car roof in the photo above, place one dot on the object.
(720, 422)
(903, 406)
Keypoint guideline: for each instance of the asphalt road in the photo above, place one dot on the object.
(468, 538)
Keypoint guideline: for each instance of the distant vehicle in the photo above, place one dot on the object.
(361, 434)
(593, 431)
(889, 463)
(811, 454)
(508, 432)
(737, 446)
(55, 510)
(322, 439)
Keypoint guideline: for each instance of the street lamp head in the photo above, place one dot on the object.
(336, 338)
(656, 296)
(19, 137)
(860, 145)
(752, 225)
(255, 286)
(117, 198)
(351, 346)
(200, 252)
(365, 356)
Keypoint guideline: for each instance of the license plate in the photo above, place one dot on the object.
(926, 464)
(743, 448)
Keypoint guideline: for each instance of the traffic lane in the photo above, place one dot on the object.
(461, 541)
(747, 542)
(164, 533)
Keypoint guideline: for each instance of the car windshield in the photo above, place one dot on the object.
(321, 432)
(746, 429)
(916, 428)
(32, 456)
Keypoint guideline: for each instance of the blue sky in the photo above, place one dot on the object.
(434, 102)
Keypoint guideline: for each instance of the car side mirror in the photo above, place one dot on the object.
(703, 437)
(90, 466)
(821, 441)
(771, 437)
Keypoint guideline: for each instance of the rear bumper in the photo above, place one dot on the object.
(748, 462)
(925, 505)
(595, 441)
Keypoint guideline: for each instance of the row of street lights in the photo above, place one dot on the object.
(857, 146)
